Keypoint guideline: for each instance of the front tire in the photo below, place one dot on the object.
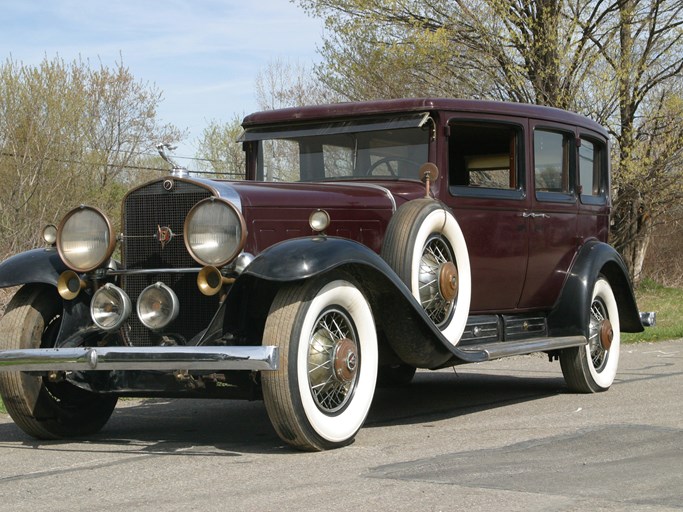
(593, 367)
(321, 393)
(43, 409)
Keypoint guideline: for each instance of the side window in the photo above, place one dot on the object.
(592, 171)
(484, 157)
(551, 162)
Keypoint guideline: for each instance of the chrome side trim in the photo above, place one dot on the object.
(142, 271)
(140, 358)
(499, 349)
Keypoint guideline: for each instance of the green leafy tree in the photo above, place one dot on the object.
(219, 151)
(70, 134)
(280, 84)
(617, 61)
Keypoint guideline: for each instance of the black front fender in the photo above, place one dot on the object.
(34, 266)
(571, 313)
(399, 318)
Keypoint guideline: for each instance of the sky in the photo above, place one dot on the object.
(203, 55)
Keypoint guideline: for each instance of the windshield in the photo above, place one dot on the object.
(386, 153)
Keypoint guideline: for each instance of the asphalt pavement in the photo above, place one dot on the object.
(499, 436)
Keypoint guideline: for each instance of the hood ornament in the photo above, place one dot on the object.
(177, 170)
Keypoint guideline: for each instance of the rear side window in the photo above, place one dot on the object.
(551, 162)
(592, 171)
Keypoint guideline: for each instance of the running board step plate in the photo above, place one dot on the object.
(499, 349)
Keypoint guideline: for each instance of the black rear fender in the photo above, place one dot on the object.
(570, 314)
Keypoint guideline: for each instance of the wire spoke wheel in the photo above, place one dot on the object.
(320, 395)
(435, 256)
(333, 361)
(426, 248)
(593, 367)
(597, 352)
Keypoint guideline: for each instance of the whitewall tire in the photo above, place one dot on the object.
(321, 393)
(425, 246)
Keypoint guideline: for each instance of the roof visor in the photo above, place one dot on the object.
(349, 126)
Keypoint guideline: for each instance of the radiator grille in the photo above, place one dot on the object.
(144, 211)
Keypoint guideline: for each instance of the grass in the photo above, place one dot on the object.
(668, 303)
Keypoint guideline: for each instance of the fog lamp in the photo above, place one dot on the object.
(157, 306)
(50, 234)
(110, 307)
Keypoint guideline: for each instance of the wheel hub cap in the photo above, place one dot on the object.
(448, 281)
(345, 360)
(606, 334)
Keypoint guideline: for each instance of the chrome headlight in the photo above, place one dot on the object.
(215, 232)
(85, 239)
(110, 307)
(157, 306)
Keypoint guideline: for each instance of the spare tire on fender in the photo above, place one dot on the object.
(426, 248)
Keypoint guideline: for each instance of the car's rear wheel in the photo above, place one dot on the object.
(44, 409)
(426, 248)
(593, 367)
(320, 395)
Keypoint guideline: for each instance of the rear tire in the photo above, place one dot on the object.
(593, 367)
(43, 409)
(320, 395)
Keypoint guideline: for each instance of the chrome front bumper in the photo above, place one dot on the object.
(140, 358)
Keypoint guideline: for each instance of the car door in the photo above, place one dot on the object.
(552, 216)
(487, 192)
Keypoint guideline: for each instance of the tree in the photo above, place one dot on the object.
(219, 150)
(69, 131)
(617, 61)
(280, 84)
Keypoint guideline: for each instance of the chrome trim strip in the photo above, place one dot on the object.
(140, 358)
(142, 271)
(499, 349)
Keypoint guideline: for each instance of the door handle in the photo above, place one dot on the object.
(533, 215)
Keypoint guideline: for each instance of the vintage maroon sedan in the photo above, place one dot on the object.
(368, 240)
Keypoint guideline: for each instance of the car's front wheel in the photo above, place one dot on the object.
(593, 367)
(320, 395)
(41, 408)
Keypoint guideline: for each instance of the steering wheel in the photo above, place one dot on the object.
(386, 162)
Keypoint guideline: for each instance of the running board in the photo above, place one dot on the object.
(499, 349)
(140, 358)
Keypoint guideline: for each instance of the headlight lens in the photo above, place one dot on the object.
(110, 307)
(214, 232)
(157, 306)
(85, 239)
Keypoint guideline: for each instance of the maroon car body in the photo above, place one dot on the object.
(368, 240)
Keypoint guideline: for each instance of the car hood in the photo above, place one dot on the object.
(359, 211)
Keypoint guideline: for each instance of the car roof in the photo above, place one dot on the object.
(374, 108)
